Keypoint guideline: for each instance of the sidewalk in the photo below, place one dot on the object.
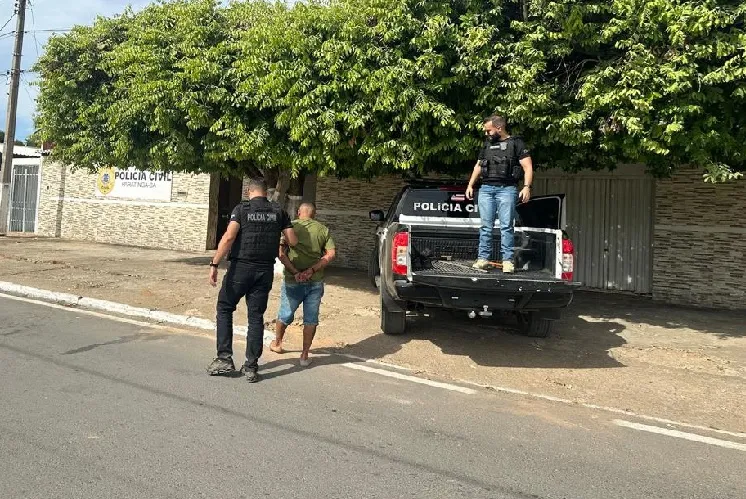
(615, 351)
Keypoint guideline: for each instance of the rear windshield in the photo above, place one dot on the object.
(448, 202)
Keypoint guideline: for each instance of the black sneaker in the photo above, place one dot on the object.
(221, 367)
(252, 376)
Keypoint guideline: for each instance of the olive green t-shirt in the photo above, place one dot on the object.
(313, 241)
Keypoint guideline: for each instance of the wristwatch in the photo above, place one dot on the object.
(213, 264)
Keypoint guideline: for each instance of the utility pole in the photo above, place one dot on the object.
(10, 124)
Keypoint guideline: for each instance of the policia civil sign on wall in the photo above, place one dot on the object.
(134, 184)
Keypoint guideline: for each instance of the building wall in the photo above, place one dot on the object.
(700, 242)
(69, 208)
(699, 237)
(343, 205)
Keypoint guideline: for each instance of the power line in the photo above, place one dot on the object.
(26, 88)
(60, 30)
(32, 31)
(8, 21)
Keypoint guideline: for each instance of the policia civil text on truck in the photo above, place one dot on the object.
(251, 243)
(503, 161)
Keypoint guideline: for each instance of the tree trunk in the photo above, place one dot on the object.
(281, 188)
(281, 185)
(296, 184)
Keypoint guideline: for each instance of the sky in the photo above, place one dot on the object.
(44, 15)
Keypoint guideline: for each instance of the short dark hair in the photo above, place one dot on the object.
(258, 185)
(497, 121)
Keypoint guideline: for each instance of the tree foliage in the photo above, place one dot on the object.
(659, 82)
(358, 88)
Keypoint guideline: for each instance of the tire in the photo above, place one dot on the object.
(533, 326)
(393, 322)
(374, 269)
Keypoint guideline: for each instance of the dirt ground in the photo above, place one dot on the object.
(612, 350)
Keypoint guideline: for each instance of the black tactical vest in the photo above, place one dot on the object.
(258, 240)
(500, 164)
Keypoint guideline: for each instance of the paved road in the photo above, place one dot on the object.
(92, 408)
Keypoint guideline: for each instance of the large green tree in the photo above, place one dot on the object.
(137, 90)
(366, 87)
(659, 82)
(357, 88)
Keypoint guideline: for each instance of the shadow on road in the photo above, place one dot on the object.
(119, 341)
(497, 342)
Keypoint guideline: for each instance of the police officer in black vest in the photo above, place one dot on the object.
(503, 162)
(253, 240)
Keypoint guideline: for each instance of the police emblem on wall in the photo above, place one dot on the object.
(105, 182)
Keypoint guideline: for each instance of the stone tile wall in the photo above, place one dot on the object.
(700, 242)
(343, 205)
(699, 238)
(69, 208)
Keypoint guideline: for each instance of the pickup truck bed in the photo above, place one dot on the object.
(429, 241)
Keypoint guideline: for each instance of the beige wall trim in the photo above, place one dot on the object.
(701, 229)
(622, 171)
(164, 204)
(353, 213)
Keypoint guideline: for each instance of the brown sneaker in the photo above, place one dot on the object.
(508, 267)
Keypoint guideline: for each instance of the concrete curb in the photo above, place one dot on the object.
(157, 316)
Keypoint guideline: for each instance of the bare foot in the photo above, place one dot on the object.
(275, 347)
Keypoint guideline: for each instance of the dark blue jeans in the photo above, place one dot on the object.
(497, 202)
(253, 282)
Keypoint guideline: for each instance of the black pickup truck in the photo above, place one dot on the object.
(427, 241)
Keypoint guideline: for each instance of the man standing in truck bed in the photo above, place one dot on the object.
(503, 161)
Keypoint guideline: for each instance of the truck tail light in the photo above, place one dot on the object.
(568, 259)
(399, 253)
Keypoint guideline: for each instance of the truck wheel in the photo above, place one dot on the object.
(374, 271)
(533, 326)
(393, 321)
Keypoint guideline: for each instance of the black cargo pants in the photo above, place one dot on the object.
(254, 282)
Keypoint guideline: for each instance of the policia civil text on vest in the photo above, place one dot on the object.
(252, 244)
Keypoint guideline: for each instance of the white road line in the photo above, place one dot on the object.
(595, 407)
(613, 410)
(161, 320)
(665, 421)
(413, 379)
(368, 361)
(681, 434)
(87, 312)
(268, 336)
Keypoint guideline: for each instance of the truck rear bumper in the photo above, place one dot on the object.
(507, 295)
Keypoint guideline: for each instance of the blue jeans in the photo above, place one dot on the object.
(295, 293)
(497, 202)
